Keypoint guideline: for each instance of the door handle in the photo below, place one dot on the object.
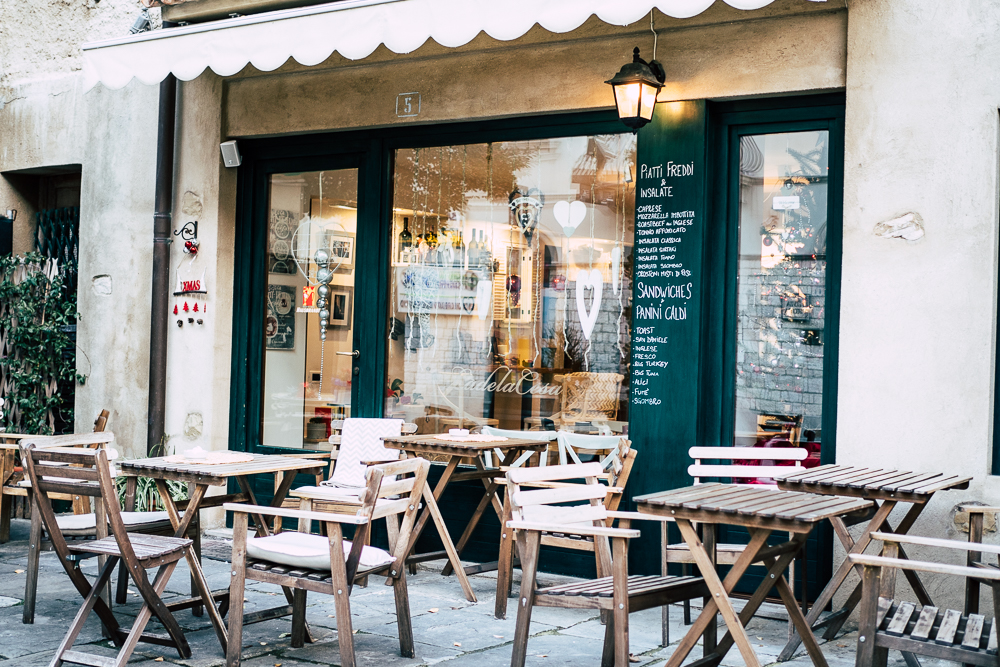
(356, 354)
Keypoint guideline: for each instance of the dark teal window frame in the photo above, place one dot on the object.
(728, 122)
(371, 151)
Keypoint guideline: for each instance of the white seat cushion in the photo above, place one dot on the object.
(86, 524)
(308, 551)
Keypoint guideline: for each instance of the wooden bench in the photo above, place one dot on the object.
(946, 634)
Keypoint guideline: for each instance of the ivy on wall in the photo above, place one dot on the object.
(34, 313)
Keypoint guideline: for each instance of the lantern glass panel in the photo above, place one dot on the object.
(627, 99)
(648, 101)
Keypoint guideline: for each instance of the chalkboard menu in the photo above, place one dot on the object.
(667, 291)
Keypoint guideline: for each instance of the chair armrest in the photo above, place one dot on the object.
(978, 509)
(639, 516)
(380, 462)
(563, 485)
(924, 566)
(328, 517)
(327, 493)
(591, 531)
(937, 542)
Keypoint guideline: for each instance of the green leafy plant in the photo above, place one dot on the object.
(34, 314)
(147, 498)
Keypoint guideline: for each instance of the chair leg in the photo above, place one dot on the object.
(620, 617)
(298, 618)
(505, 565)
(121, 589)
(197, 610)
(234, 644)
(81, 616)
(31, 581)
(686, 571)
(529, 568)
(152, 596)
(341, 595)
(403, 623)
(665, 609)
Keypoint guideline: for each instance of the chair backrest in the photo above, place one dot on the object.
(403, 481)
(101, 422)
(611, 448)
(76, 470)
(753, 463)
(564, 505)
(361, 440)
(538, 436)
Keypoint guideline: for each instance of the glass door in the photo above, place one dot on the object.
(781, 291)
(309, 359)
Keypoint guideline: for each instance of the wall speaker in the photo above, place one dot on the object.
(230, 153)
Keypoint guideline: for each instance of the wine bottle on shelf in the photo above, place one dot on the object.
(473, 251)
(459, 247)
(405, 242)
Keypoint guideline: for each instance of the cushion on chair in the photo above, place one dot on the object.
(85, 524)
(308, 551)
(361, 440)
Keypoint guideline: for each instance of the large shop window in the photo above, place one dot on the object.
(511, 285)
(781, 290)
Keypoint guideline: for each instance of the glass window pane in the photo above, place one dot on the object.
(307, 384)
(511, 284)
(782, 290)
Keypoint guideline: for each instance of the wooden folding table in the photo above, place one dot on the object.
(886, 487)
(201, 476)
(452, 453)
(761, 510)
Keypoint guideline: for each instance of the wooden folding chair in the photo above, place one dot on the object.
(758, 465)
(87, 472)
(616, 466)
(946, 634)
(14, 495)
(305, 562)
(546, 511)
(82, 524)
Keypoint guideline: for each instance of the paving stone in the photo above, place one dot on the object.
(375, 649)
(544, 650)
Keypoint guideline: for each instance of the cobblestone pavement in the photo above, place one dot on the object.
(447, 629)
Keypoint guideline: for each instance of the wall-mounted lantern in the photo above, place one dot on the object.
(636, 86)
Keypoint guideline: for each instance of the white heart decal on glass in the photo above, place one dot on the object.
(593, 280)
(616, 268)
(570, 215)
(484, 298)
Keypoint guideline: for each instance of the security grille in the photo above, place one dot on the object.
(58, 237)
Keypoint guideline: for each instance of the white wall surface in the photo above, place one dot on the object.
(917, 318)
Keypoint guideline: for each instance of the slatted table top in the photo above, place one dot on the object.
(215, 475)
(752, 506)
(431, 445)
(876, 483)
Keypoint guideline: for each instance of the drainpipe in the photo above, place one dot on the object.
(161, 263)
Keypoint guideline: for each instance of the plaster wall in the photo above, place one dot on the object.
(917, 318)
(489, 79)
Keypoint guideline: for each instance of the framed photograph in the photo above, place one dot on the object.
(341, 247)
(279, 324)
(341, 303)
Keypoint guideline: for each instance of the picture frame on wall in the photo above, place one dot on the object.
(341, 306)
(341, 248)
(336, 217)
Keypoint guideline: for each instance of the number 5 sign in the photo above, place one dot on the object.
(407, 105)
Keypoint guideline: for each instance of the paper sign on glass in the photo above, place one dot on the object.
(789, 203)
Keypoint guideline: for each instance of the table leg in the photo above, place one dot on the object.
(785, 553)
(442, 484)
(836, 622)
(491, 488)
(837, 580)
(710, 533)
(181, 523)
(719, 601)
(258, 520)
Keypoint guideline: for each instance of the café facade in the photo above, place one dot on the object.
(431, 210)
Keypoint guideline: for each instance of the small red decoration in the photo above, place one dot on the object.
(196, 308)
(186, 309)
(175, 309)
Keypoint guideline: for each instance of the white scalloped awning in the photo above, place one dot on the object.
(353, 28)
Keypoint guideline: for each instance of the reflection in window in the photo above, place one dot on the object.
(307, 376)
(511, 284)
(782, 290)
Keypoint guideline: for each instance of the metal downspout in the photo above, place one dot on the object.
(161, 263)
